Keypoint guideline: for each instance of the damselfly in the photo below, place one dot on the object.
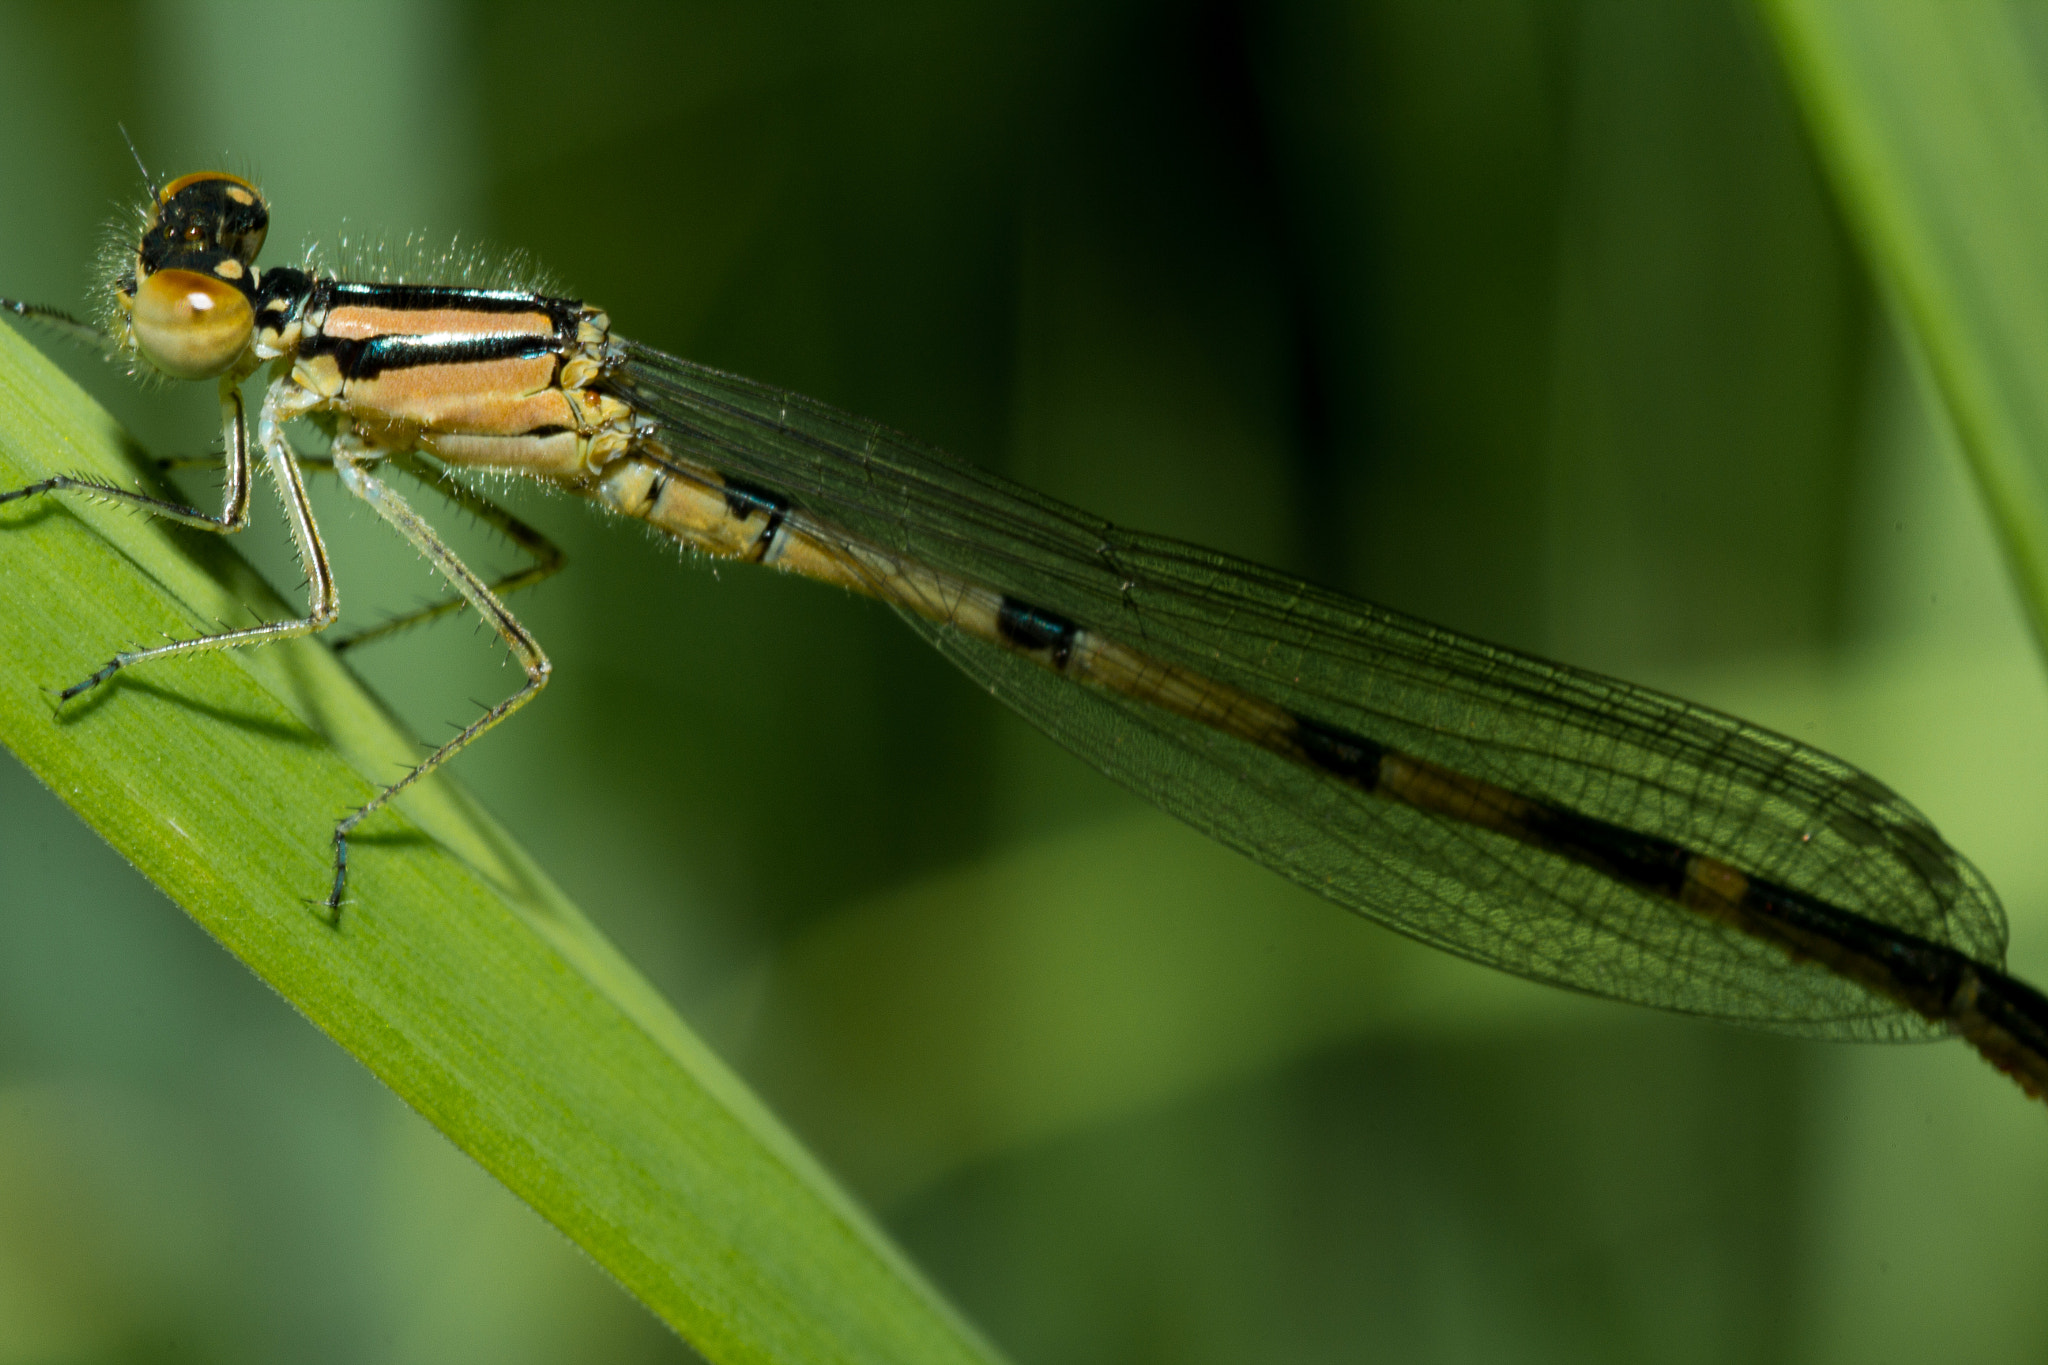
(1560, 825)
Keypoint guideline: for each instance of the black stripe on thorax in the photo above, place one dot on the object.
(1036, 630)
(366, 294)
(367, 357)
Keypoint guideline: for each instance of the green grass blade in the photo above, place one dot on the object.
(460, 975)
(1933, 119)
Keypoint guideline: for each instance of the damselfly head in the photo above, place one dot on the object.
(186, 291)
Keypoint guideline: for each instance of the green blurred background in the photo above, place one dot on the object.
(1533, 318)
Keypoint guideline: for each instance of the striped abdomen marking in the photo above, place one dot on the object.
(762, 513)
(1034, 630)
(2004, 1018)
(730, 521)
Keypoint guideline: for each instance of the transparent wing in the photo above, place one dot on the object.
(1767, 804)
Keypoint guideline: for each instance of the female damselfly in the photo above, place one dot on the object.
(1560, 825)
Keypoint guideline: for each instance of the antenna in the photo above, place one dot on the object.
(147, 178)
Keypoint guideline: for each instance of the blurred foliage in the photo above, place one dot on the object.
(1534, 318)
(1935, 124)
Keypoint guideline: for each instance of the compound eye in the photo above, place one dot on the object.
(208, 211)
(189, 325)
